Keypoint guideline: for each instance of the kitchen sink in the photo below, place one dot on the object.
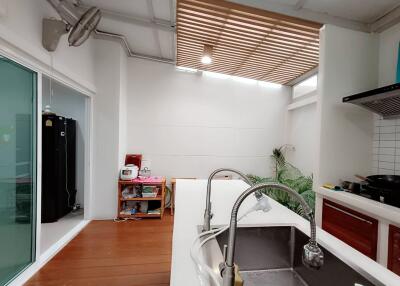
(271, 256)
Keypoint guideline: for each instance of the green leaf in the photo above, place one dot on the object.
(290, 176)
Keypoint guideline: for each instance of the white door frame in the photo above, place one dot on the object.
(41, 68)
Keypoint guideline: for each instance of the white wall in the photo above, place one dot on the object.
(302, 132)
(71, 104)
(21, 35)
(123, 110)
(302, 127)
(386, 145)
(388, 50)
(188, 125)
(20, 40)
(106, 129)
(21, 27)
(348, 65)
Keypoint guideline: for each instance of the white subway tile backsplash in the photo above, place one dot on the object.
(387, 137)
(387, 151)
(389, 122)
(386, 146)
(387, 129)
(383, 171)
(386, 158)
(386, 165)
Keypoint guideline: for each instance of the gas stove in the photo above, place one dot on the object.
(385, 196)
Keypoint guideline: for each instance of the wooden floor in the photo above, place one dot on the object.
(113, 254)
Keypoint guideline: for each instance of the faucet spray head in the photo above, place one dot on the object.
(313, 257)
(263, 204)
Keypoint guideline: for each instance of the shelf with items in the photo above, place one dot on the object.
(141, 198)
(140, 215)
(158, 198)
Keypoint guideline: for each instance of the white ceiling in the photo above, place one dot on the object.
(365, 11)
(139, 8)
(129, 17)
(354, 14)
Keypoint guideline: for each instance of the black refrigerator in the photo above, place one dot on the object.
(58, 166)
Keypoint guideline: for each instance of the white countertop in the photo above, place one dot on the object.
(369, 207)
(190, 204)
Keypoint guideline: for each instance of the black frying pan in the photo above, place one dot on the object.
(382, 181)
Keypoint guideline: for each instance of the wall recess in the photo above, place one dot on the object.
(3, 8)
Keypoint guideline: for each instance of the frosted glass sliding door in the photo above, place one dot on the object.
(17, 168)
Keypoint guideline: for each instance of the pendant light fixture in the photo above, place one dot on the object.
(206, 59)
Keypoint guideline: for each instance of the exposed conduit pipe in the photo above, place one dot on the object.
(122, 39)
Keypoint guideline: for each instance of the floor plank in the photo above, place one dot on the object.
(130, 253)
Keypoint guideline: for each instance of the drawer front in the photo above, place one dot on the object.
(355, 229)
(394, 249)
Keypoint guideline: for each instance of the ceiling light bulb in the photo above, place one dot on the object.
(206, 59)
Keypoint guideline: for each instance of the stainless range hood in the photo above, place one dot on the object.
(384, 101)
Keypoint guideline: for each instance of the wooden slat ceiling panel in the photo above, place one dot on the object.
(246, 42)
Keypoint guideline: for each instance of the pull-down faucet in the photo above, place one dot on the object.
(313, 256)
(207, 213)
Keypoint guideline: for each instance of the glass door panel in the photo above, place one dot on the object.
(17, 168)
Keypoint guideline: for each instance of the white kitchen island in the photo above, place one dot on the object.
(190, 203)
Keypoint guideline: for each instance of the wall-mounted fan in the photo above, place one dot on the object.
(79, 24)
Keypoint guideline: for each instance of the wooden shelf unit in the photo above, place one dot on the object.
(160, 182)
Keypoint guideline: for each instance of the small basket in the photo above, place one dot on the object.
(150, 192)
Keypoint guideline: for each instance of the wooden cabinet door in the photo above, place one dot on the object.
(355, 229)
(394, 249)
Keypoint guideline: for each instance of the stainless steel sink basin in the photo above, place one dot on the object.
(271, 256)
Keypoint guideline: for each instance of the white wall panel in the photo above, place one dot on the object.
(106, 130)
(302, 134)
(188, 124)
(388, 50)
(348, 65)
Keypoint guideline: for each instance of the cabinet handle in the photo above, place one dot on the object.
(349, 214)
